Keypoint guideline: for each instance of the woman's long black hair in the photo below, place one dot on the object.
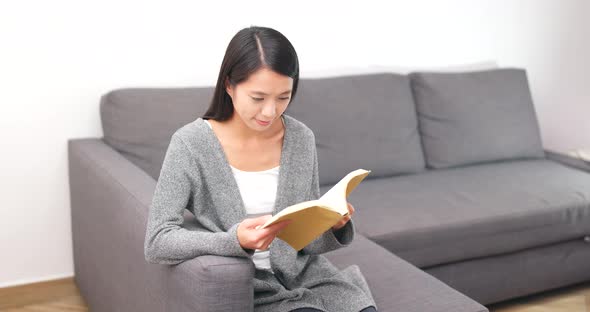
(249, 50)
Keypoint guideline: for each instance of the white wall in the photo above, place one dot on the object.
(58, 57)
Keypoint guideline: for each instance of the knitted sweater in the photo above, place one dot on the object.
(196, 175)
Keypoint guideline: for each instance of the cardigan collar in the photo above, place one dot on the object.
(235, 211)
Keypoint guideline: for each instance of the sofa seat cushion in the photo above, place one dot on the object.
(397, 285)
(443, 216)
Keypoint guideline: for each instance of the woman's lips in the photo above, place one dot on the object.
(262, 123)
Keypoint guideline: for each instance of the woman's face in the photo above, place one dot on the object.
(264, 96)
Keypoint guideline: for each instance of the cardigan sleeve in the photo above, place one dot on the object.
(329, 240)
(166, 241)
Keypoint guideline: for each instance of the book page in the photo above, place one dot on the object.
(336, 197)
(307, 225)
(299, 206)
(310, 219)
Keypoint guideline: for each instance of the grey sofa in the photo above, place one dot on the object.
(463, 207)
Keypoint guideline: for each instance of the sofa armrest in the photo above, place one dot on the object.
(568, 160)
(110, 199)
(211, 283)
(397, 285)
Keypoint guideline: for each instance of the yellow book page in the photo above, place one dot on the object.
(307, 225)
(312, 218)
(292, 209)
(336, 197)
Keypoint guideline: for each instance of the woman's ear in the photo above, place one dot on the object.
(228, 88)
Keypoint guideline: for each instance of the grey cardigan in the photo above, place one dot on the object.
(196, 175)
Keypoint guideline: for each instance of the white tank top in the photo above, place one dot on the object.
(258, 190)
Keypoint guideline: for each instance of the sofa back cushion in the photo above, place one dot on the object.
(360, 121)
(363, 121)
(475, 117)
(139, 122)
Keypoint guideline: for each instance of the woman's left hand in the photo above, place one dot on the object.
(344, 219)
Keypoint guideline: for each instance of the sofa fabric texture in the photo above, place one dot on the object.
(463, 206)
(475, 117)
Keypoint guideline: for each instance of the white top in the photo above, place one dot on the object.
(258, 190)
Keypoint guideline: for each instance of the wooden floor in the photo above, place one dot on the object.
(56, 295)
(63, 295)
(574, 298)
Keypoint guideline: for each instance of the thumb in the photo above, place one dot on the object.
(260, 221)
(250, 222)
(278, 226)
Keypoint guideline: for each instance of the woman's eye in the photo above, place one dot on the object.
(262, 99)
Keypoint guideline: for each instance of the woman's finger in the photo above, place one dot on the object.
(267, 243)
(343, 221)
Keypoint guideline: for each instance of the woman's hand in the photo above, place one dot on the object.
(251, 237)
(344, 219)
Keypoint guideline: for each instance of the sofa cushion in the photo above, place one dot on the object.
(139, 122)
(395, 283)
(360, 121)
(448, 215)
(474, 117)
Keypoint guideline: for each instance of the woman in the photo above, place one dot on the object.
(239, 164)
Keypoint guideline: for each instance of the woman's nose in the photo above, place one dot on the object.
(268, 111)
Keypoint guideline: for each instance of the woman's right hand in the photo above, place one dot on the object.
(251, 237)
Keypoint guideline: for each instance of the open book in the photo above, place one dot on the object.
(312, 218)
